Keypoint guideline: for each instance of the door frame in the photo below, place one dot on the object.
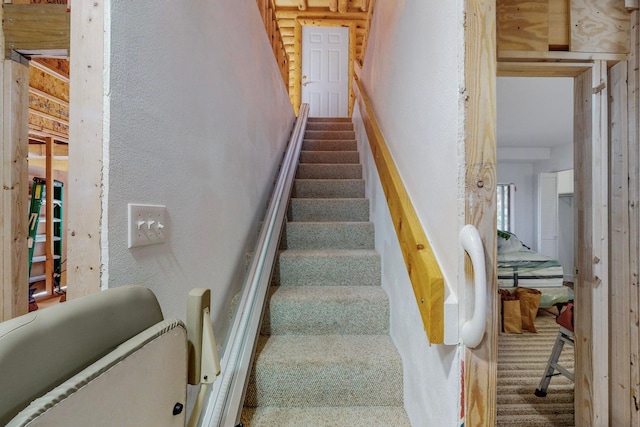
(297, 54)
(592, 358)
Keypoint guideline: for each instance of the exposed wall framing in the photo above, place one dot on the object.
(480, 367)
(84, 205)
(13, 202)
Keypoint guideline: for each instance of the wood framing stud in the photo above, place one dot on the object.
(343, 5)
(333, 5)
(302, 5)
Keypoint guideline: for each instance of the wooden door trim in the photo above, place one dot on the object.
(297, 54)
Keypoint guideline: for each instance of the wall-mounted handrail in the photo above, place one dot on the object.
(226, 396)
(473, 330)
(423, 268)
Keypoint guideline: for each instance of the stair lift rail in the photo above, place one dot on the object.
(226, 396)
(473, 330)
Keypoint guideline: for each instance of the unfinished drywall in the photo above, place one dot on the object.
(198, 121)
(411, 73)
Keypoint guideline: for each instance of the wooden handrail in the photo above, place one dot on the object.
(422, 266)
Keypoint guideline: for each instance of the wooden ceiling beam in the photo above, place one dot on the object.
(35, 27)
(318, 14)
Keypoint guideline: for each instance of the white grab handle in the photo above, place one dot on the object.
(473, 330)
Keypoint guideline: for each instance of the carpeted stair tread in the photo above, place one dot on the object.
(329, 134)
(348, 126)
(350, 157)
(359, 416)
(325, 370)
(329, 209)
(329, 145)
(329, 235)
(329, 171)
(328, 188)
(325, 357)
(343, 310)
(329, 267)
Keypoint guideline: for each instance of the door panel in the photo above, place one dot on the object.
(325, 70)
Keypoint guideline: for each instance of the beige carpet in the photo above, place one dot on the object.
(522, 359)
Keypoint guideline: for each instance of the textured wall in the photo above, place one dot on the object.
(412, 73)
(199, 120)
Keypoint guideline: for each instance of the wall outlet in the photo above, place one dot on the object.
(146, 225)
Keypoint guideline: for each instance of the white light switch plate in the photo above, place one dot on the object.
(146, 225)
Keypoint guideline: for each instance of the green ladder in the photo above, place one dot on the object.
(38, 197)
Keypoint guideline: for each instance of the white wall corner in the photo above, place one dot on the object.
(451, 320)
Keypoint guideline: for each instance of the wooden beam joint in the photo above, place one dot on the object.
(35, 27)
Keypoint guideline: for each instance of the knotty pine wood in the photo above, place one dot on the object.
(620, 398)
(13, 203)
(422, 266)
(84, 206)
(480, 363)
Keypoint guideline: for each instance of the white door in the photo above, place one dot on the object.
(548, 214)
(325, 71)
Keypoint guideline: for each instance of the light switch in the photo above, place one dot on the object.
(146, 224)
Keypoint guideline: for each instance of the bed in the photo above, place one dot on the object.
(519, 266)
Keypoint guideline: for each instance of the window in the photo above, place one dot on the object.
(506, 206)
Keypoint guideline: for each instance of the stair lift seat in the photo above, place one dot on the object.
(107, 359)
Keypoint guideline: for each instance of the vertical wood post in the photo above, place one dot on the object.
(14, 77)
(48, 267)
(480, 374)
(85, 187)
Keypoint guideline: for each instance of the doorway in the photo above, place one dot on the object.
(534, 142)
(325, 70)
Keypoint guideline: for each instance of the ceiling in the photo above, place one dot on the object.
(534, 111)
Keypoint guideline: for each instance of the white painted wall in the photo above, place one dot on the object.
(199, 119)
(521, 174)
(413, 86)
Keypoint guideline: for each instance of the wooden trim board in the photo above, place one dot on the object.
(480, 367)
(84, 206)
(13, 202)
(422, 266)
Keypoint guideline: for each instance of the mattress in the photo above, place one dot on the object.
(528, 269)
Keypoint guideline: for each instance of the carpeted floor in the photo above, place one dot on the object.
(522, 359)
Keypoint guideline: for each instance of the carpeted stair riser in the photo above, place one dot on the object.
(329, 268)
(329, 171)
(341, 126)
(329, 145)
(328, 188)
(344, 310)
(329, 235)
(369, 416)
(318, 210)
(349, 157)
(329, 134)
(325, 370)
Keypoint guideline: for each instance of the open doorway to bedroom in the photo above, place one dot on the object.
(535, 143)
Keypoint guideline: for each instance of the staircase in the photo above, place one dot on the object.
(324, 356)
